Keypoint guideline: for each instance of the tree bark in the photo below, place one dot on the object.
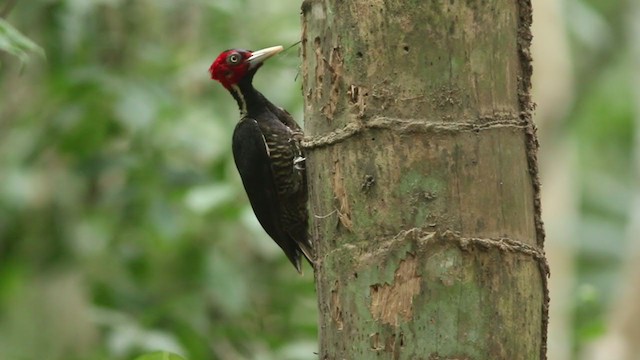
(423, 179)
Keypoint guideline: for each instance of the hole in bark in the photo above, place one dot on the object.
(368, 182)
(375, 342)
(355, 275)
(405, 48)
(359, 54)
(336, 310)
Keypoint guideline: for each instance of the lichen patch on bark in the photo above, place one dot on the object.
(393, 303)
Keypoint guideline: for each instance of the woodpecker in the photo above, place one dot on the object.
(268, 155)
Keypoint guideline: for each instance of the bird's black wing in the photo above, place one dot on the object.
(295, 215)
(284, 116)
(252, 158)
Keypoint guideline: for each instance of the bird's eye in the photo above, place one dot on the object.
(233, 59)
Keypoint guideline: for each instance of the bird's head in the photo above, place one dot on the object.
(231, 66)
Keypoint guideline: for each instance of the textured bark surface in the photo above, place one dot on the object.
(423, 185)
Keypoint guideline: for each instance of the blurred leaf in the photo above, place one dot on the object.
(160, 355)
(589, 313)
(126, 334)
(227, 284)
(299, 350)
(202, 199)
(13, 42)
(136, 107)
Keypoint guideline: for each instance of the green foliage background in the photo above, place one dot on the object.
(124, 228)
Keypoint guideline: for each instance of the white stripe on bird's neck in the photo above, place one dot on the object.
(242, 103)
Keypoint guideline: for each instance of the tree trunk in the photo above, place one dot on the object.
(423, 179)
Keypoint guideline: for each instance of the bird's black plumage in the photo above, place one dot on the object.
(271, 162)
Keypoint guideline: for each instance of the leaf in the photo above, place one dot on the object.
(204, 198)
(159, 355)
(13, 42)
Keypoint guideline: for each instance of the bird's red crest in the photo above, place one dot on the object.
(230, 66)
